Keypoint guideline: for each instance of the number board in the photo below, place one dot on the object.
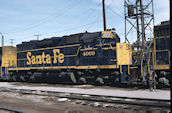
(107, 34)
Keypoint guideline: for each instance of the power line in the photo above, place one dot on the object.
(67, 29)
(45, 20)
(79, 25)
(115, 12)
(87, 17)
(96, 21)
(93, 22)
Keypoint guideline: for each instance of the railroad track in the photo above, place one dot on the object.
(9, 110)
(158, 103)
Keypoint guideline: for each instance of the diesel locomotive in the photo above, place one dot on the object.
(162, 52)
(97, 57)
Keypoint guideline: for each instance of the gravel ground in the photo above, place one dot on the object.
(45, 104)
(32, 106)
(51, 104)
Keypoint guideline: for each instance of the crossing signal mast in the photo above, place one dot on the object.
(139, 16)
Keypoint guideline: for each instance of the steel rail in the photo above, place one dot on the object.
(96, 98)
(11, 110)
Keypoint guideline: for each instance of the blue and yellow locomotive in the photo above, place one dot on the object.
(85, 57)
(162, 52)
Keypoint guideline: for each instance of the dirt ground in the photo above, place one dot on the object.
(54, 104)
(42, 104)
(43, 107)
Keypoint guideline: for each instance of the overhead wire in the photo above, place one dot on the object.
(87, 17)
(96, 21)
(48, 18)
(115, 12)
(64, 30)
(79, 25)
(44, 18)
(73, 28)
(76, 27)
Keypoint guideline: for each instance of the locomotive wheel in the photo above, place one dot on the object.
(14, 78)
(22, 78)
(32, 78)
(82, 80)
(99, 81)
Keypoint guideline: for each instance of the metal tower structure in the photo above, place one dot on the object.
(139, 16)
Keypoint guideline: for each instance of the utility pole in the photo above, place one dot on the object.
(104, 15)
(12, 41)
(37, 35)
(2, 39)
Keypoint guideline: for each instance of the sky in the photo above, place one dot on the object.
(21, 20)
